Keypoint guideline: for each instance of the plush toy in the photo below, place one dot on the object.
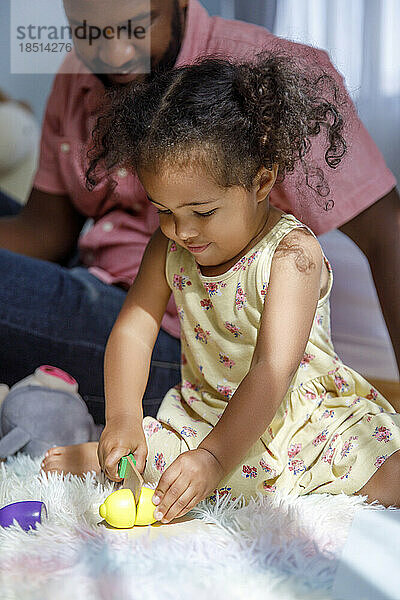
(19, 133)
(41, 411)
(19, 148)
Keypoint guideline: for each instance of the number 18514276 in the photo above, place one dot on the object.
(43, 47)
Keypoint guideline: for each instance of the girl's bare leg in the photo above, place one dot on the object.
(384, 485)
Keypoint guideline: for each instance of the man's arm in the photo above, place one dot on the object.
(47, 227)
(376, 231)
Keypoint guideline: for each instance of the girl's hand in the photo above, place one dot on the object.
(119, 438)
(193, 476)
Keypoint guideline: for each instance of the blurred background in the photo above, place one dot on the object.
(361, 37)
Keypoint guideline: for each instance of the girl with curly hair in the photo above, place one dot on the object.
(264, 404)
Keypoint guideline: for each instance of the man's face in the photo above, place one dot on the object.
(125, 32)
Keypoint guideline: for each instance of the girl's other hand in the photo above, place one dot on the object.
(119, 438)
(193, 476)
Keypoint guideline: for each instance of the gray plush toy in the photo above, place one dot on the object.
(41, 411)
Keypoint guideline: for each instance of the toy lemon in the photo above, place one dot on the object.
(145, 508)
(120, 510)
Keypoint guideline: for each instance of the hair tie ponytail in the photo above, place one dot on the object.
(226, 119)
(288, 107)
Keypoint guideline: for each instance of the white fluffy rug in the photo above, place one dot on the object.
(283, 549)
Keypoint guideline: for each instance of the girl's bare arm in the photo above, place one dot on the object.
(131, 342)
(289, 309)
(128, 355)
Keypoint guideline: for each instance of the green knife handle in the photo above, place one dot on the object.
(123, 464)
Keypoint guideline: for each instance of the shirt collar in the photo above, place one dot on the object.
(197, 31)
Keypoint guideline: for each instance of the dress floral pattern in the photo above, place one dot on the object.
(332, 430)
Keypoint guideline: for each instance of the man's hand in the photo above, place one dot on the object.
(47, 227)
(193, 476)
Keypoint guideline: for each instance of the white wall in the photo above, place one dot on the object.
(32, 88)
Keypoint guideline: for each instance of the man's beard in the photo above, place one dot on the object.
(169, 58)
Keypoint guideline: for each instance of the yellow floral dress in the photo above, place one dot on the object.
(332, 430)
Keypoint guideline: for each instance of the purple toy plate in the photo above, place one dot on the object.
(27, 514)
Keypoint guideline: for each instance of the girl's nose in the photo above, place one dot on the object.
(117, 52)
(185, 230)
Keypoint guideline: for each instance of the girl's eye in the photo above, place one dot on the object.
(206, 214)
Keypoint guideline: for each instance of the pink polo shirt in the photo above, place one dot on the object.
(123, 219)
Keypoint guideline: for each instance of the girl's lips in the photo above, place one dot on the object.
(197, 249)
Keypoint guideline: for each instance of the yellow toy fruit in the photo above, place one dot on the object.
(119, 509)
(145, 508)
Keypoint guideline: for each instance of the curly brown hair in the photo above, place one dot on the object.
(226, 118)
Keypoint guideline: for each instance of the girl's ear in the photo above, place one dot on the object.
(264, 181)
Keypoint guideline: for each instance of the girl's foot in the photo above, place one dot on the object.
(77, 459)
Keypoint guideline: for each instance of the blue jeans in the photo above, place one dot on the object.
(50, 314)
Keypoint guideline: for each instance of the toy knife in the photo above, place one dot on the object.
(132, 478)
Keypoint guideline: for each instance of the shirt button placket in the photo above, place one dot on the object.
(122, 173)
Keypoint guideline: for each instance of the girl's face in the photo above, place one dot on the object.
(217, 225)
